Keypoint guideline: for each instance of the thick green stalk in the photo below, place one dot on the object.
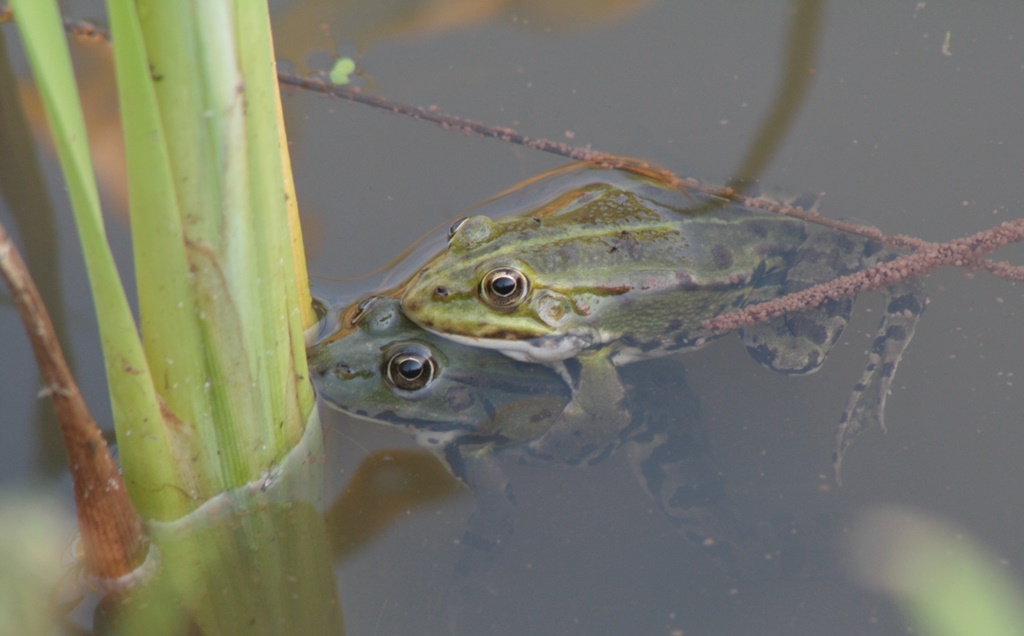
(224, 465)
(211, 69)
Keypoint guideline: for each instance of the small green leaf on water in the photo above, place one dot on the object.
(343, 68)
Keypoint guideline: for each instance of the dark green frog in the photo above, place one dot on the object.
(477, 409)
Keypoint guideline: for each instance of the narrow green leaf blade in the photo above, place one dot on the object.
(136, 408)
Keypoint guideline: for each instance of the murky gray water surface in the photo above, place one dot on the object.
(895, 132)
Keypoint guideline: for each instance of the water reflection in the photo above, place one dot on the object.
(325, 25)
(794, 86)
(386, 486)
(896, 133)
(479, 410)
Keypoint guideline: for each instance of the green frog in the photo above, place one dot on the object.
(612, 267)
(476, 409)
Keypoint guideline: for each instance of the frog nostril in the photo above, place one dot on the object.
(440, 291)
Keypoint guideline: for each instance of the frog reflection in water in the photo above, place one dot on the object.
(476, 409)
(617, 268)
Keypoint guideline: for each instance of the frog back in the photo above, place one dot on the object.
(610, 261)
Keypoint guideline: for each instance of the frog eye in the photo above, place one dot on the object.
(410, 370)
(504, 288)
(455, 227)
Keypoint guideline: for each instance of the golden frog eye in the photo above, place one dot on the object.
(410, 369)
(455, 227)
(504, 288)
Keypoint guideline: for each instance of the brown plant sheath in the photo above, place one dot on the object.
(112, 536)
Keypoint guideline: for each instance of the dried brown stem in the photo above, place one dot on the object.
(898, 241)
(112, 534)
(608, 161)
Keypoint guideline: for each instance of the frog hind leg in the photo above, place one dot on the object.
(670, 451)
(477, 465)
(905, 302)
(487, 530)
(590, 426)
(798, 343)
(679, 474)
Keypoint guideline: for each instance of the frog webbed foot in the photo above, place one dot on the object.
(590, 426)
(579, 437)
(866, 406)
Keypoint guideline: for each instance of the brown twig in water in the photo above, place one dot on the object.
(115, 544)
(473, 128)
(958, 252)
(608, 161)
(1001, 269)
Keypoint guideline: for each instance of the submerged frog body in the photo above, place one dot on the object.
(476, 408)
(618, 268)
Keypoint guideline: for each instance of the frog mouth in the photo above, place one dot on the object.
(542, 349)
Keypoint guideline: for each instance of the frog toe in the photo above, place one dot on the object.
(866, 407)
(865, 410)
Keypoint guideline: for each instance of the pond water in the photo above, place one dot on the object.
(912, 125)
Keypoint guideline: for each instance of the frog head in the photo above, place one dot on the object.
(379, 365)
(497, 299)
(518, 284)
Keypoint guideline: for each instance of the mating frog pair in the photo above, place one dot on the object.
(603, 268)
